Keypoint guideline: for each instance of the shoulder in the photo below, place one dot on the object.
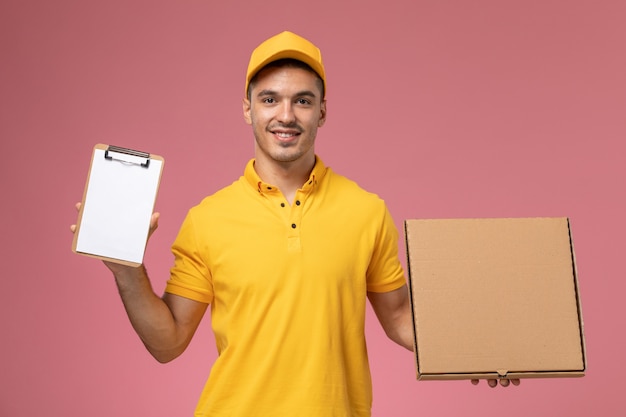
(350, 191)
(222, 200)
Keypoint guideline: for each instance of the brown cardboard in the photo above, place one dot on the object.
(494, 298)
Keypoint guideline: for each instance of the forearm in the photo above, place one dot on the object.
(149, 314)
(393, 310)
(400, 328)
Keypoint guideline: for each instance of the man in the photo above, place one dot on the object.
(286, 257)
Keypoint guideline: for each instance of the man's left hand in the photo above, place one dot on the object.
(494, 382)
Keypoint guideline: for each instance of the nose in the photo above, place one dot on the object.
(285, 113)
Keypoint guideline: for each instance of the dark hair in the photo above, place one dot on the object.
(290, 63)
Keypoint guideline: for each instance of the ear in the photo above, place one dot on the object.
(246, 111)
(322, 119)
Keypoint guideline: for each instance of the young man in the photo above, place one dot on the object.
(285, 257)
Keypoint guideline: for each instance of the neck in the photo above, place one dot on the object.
(287, 176)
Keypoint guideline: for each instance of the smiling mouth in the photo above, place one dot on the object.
(285, 131)
(286, 135)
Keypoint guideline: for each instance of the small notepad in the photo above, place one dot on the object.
(119, 198)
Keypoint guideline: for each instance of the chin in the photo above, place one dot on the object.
(285, 158)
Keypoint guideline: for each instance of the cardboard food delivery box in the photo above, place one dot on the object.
(494, 298)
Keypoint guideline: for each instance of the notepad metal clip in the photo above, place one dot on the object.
(127, 155)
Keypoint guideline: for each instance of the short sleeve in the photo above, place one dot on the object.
(189, 277)
(385, 271)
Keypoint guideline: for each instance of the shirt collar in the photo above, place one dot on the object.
(315, 178)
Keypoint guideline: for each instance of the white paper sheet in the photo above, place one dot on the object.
(118, 205)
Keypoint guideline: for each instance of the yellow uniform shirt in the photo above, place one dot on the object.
(287, 286)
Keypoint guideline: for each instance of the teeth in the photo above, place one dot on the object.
(284, 135)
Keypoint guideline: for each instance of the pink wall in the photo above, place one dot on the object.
(444, 108)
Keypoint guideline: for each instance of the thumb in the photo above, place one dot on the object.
(154, 222)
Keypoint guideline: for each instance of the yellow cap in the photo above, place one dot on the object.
(285, 45)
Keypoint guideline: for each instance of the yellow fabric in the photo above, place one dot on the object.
(281, 46)
(287, 287)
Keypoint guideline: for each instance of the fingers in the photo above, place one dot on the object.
(73, 227)
(507, 382)
(494, 382)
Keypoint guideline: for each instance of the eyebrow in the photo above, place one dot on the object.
(303, 93)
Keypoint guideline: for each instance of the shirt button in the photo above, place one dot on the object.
(297, 202)
(282, 204)
(293, 225)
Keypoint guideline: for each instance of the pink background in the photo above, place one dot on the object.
(444, 108)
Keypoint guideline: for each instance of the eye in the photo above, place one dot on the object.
(303, 101)
(269, 100)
